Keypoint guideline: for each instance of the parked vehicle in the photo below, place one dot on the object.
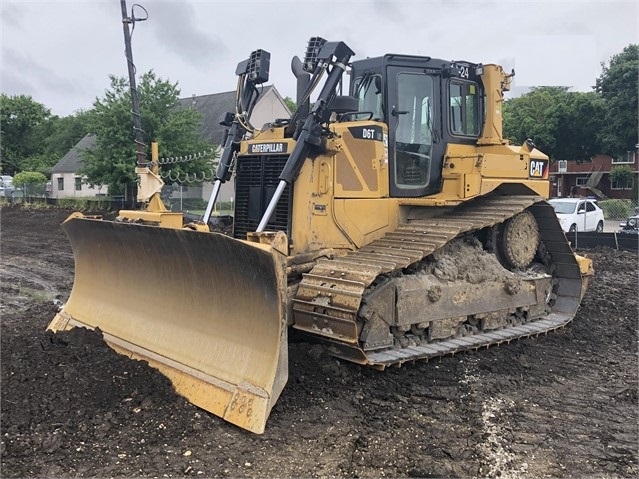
(578, 214)
(6, 186)
(635, 213)
(631, 225)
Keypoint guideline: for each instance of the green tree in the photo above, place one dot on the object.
(290, 103)
(55, 137)
(622, 175)
(577, 123)
(32, 138)
(562, 123)
(112, 161)
(618, 85)
(31, 182)
(20, 115)
(531, 116)
(64, 133)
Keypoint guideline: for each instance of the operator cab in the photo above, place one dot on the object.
(426, 103)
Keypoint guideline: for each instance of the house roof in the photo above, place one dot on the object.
(211, 107)
(71, 162)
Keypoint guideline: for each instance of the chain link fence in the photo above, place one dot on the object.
(28, 193)
(188, 199)
(36, 194)
(618, 215)
(615, 210)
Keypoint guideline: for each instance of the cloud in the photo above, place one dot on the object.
(12, 15)
(176, 27)
(21, 75)
(14, 61)
(15, 84)
(389, 10)
(73, 44)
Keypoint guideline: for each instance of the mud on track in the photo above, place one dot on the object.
(561, 405)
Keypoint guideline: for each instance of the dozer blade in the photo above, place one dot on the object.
(205, 309)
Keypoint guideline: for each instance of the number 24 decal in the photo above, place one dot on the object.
(463, 72)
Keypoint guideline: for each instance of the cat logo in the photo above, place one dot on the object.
(538, 169)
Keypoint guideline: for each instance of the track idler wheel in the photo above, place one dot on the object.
(519, 240)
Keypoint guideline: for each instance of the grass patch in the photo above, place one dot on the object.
(39, 205)
(36, 294)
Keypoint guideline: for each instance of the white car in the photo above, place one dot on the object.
(578, 214)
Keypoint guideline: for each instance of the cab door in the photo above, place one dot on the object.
(416, 151)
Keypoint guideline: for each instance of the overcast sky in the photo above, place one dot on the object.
(61, 52)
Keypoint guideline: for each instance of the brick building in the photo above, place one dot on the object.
(569, 178)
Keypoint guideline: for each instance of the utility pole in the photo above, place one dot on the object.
(128, 24)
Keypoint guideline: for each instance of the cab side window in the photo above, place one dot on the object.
(464, 108)
(368, 91)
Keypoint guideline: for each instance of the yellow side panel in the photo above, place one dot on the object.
(364, 220)
(341, 197)
(471, 185)
(470, 171)
(541, 187)
(504, 166)
(312, 219)
(361, 164)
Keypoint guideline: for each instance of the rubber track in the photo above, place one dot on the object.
(333, 290)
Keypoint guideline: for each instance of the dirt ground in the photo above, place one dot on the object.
(561, 405)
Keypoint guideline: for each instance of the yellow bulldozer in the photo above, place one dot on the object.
(392, 224)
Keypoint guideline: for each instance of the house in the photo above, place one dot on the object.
(569, 178)
(66, 182)
(270, 105)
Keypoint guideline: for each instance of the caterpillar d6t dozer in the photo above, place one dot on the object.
(393, 224)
